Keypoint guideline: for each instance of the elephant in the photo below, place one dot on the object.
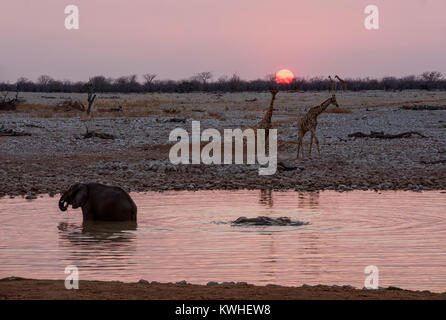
(99, 202)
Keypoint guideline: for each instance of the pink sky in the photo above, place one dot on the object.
(177, 38)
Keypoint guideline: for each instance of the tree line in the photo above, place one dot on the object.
(203, 81)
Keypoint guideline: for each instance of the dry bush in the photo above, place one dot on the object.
(173, 110)
(37, 110)
(215, 115)
(338, 110)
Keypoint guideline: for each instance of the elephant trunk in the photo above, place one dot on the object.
(63, 204)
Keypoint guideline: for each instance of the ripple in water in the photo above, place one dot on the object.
(188, 235)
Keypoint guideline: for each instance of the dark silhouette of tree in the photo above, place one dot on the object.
(149, 78)
(234, 83)
(430, 79)
(427, 81)
(431, 76)
(100, 83)
(204, 77)
(24, 84)
(44, 80)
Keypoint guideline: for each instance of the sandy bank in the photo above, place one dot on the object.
(54, 289)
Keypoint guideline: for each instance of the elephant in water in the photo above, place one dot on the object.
(99, 202)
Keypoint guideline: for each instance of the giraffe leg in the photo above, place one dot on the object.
(317, 142)
(300, 147)
(311, 144)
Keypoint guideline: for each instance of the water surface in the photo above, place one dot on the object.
(186, 236)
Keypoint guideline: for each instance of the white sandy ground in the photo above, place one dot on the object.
(54, 157)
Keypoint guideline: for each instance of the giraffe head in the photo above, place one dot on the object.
(333, 100)
(273, 92)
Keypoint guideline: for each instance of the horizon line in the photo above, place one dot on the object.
(216, 78)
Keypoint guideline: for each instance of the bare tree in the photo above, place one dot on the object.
(90, 99)
(100, 83)
(91, 96)
(133, 78)
(44, 80)
(234, 82)
(431, 76)
(203, 76)
(127, 83)
(149, 77)
(426, 81)
(22, 80)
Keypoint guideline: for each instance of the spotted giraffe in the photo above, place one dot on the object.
(332, 85)
(265, 123)
(343, 83)
(309, 123)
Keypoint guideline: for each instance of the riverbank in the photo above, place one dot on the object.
(25, 289)
(55, 154)
(30, 289)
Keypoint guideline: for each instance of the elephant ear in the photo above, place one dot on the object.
(80, 197)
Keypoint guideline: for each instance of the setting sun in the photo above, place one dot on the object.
(284, 76)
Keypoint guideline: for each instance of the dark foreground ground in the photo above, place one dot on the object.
(26, 289)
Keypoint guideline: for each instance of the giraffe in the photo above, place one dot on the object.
(332, 85)
(343, 83)
(309, 123)
(265, 123)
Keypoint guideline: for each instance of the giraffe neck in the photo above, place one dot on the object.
(321, 108)
(269, 112)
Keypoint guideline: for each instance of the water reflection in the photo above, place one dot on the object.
(308, 200)
(114, 240)
(266, 198)
(403, 233)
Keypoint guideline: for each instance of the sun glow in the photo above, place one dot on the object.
(284, 76)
